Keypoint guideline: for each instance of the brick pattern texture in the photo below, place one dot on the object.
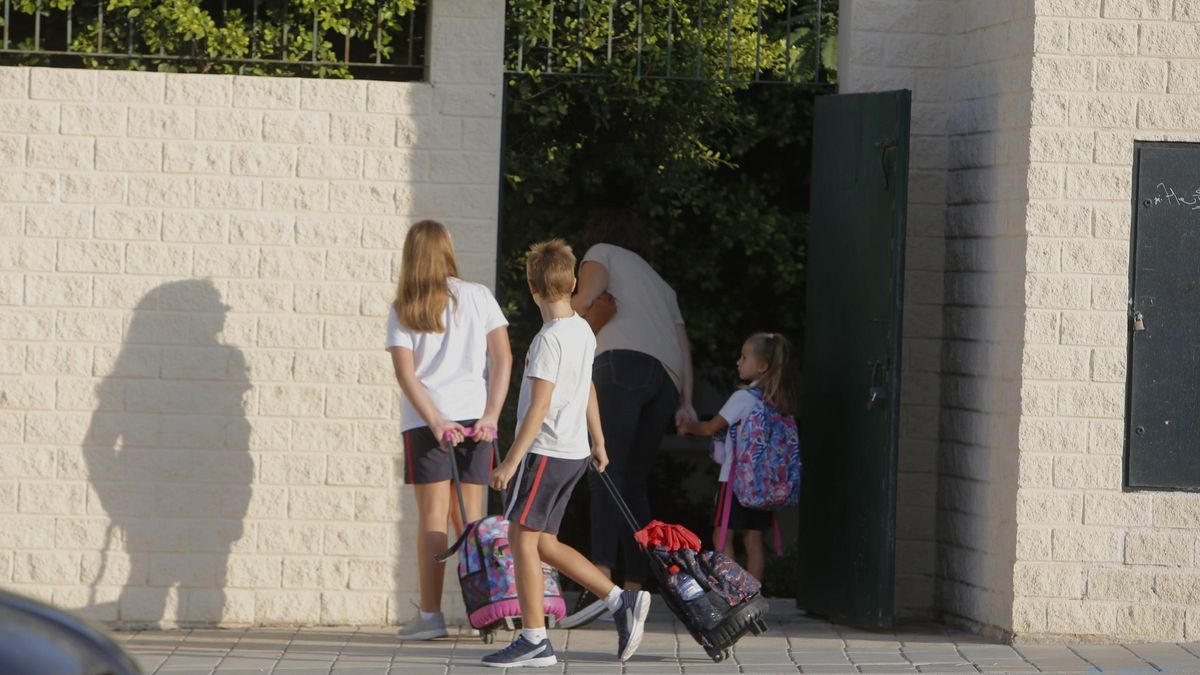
(1093, 560)
(1024, 119)
(198, 423)
(898, 44)
(967, 65)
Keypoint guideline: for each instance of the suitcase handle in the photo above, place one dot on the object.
(457, 480)
(616, 495)
(468, 432)
(462, 504)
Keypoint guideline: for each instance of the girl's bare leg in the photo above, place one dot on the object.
(433, 504)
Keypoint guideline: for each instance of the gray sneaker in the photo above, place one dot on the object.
(424, 629)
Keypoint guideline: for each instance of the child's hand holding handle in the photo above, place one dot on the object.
(453, 436)
(484, 430)
(450, 433)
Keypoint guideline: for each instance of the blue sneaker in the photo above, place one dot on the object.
(522, 653)
(631, 620)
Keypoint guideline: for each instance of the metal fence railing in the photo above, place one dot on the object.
(370, 39)
(735, 41)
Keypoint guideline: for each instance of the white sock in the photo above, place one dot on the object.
(426, 616)
(613, 599)
(534, 635)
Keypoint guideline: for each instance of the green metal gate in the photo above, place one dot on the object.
(852, 357)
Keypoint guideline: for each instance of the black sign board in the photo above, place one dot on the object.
(1162, 440)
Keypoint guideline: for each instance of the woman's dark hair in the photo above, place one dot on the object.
(617, 226)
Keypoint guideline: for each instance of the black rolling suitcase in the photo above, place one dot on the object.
(717, 600)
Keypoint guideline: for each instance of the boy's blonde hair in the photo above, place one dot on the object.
(550, 269)
(425, 269)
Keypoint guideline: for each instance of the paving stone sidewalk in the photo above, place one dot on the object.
(794, 643)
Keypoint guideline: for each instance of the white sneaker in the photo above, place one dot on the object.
(424, 629)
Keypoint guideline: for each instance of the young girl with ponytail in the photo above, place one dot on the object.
(764, 365)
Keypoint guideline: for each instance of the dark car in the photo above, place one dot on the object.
(37, 639)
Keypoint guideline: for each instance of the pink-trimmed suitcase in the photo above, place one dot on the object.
(485, 574)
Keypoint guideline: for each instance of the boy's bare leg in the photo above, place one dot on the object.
(573, 564)
(755, 555)
(606, 571)
(433, 504)
(527, 564)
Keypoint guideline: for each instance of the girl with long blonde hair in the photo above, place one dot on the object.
(449, 344)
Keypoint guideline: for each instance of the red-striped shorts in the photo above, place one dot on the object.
(541, 489)
(426, 462)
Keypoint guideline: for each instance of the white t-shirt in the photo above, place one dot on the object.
(451, 365)
(561, 353)
(734, 411)
(647, 310)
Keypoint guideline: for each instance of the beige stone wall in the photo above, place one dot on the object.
(197, 420)
(901, 44)
(984, 256)
(1094, 560)
(967, 65)
(1024, 125)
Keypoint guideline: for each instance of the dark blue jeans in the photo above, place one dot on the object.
(637, 400)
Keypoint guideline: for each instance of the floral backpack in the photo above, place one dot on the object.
(765, 473)
(485, 572)
(486, 575)
(766, 458)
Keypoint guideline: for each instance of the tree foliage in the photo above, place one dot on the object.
(280, 37)
(717, 166)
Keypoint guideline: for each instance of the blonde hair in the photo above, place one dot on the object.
(423, 291)
(774, 350)
(550, 269)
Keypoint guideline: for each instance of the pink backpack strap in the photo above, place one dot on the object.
(726, 505)
(778, 536)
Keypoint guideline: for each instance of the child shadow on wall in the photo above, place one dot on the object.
(167, 453)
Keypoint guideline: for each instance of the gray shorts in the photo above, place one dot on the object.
(426, 462)
(541, 490)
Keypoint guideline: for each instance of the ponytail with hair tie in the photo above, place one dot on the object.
(774, 350)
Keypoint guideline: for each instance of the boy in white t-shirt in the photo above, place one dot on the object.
(556, 412)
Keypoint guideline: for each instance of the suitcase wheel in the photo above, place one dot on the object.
(719, 655)
(487, 636)
(758, 627)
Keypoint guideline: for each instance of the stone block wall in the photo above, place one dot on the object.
(1095, 560)
(966, 63)
(985, 256)
(1023, 129)
(198, 423)
(901, 44)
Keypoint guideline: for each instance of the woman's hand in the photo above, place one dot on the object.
(485, 429)
(448, 434)
(686, 413)
(501, 475)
